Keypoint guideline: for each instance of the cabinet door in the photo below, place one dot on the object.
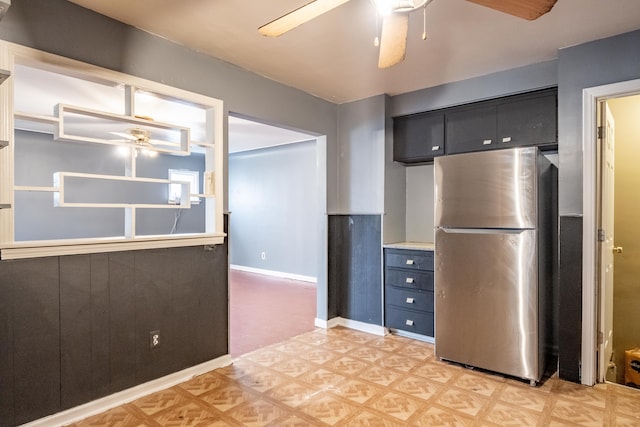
(418, 138)
(528, 120)
(472, 129)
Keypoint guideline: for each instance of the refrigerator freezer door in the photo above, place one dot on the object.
(495, 189)
(487, 300)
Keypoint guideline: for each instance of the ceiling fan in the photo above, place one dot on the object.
(140, 139)
(395, 20)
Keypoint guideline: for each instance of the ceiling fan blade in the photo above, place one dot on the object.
(393, 41)
(299, 16)
(124, 135)
(527, 9)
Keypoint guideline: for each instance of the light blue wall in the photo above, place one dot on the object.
(360, 157)
(274, 209)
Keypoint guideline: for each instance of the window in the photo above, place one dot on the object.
(85, 163)
(176, 190)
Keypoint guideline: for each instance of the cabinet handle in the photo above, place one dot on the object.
(506, 139)
(487, 142)
(409, 262)
(409, 322)
(435, 148)
(409, 300)
(409, 280)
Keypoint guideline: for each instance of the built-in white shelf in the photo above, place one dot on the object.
(39, 118)
(59, 180)
(63, 111)
(35, 188)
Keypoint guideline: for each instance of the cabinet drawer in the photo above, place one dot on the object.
(407, 298)
(410, 321)
(414, 260)
(409, 279)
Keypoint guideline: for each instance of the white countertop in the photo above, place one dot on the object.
(420, 246)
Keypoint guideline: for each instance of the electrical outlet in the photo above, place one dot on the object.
(263, 255)
(154, 338)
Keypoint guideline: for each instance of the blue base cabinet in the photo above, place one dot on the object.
(408, 291)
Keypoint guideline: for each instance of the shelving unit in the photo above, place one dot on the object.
(91, 149)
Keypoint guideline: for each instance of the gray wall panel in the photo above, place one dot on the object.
(36, 345)
(6, 351)
(75, 330)
(77, 327)
(355, 268)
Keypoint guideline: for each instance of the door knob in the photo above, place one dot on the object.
(617, 250)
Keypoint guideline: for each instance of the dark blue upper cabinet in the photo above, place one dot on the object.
(518, 120)
(418, 138)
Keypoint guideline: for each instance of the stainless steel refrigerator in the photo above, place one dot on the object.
(494, 217)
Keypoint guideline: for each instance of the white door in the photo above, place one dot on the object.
(607, 170)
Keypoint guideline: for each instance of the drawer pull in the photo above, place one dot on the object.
(506, 139)
(409, 300)
(409, 280)
(409, 262)
(487, 142)
(435, 148)
(409, 322)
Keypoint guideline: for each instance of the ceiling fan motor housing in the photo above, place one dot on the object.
(398, 5)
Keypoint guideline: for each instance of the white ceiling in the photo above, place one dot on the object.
(245, 135)
(333, 56)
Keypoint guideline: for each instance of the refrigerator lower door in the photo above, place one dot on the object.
(486, 302)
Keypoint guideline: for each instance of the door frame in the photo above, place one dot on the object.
(590, 98)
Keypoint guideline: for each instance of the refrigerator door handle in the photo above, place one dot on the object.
(483, 230)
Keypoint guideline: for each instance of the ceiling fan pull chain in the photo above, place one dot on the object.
(424, 21)
(376, 40)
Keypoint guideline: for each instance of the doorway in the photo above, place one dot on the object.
(620, 251)
(275, 206)
(610, 270)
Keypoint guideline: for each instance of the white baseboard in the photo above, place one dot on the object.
(103, 404)
(414, 336)
(279, 274)
(351, 324)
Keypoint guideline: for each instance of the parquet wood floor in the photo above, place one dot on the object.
(342, 377)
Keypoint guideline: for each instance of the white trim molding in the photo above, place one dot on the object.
(280, 274)
(590, 97)
(352, 324)
(100, 405)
